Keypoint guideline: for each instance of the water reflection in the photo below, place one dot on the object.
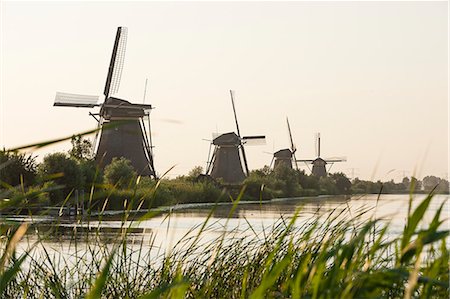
(254, 216)
(176, 227)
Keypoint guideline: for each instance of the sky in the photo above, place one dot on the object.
(371, 77)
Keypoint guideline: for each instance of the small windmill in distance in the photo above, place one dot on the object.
(319, 165)
(126, 133)
(225, 162)
(285, 157)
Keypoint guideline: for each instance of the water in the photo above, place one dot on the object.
(249, 219)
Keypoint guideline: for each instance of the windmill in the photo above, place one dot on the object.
(319, 165)
(285, 156)
(122, 129)
(225, 162)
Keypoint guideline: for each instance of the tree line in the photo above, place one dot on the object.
(62, 175)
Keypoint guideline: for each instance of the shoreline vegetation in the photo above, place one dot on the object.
(328, 256)
(73, 179)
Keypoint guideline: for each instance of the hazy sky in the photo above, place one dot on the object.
(372, 77)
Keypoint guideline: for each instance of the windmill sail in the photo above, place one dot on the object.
(254, 140)
(335, 159)
(75, 100)
(293, 147)
(244, 157)
(116, 63)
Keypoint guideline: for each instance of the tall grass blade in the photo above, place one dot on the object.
(100, 282)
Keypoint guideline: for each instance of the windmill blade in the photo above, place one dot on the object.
(211, 161)
(254, 137)
(116, 63)
(75, 100)
(244, 157)
(271, 162)
(234, 112)
(336, 159)
(318, 144)
(254, 140)
(293, 149)
(305, 161)
(295, 160)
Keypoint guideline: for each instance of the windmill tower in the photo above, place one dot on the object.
(319, 167)
(225, 162)
(122, 128)
(286, 156)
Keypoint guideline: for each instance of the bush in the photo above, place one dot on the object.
(64, 172)
(255, 182)
(291, 186)
(120, 172)
(343, 184)
(91, 174)
(14, 165)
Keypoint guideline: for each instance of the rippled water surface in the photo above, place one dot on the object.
(249, 219)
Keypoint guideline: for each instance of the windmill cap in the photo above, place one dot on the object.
(283, 153)
(227, 139)
(114, 107)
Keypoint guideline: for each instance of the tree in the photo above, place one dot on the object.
(81, 148)
(343, 184)
(430, 182)
(14, 165)
(308, 181)
(406, 183)
(119, 172)
(327, 185)
(289, 178)
(90, 173)
(63, 171)
(416, 184)
(195, 172)
(443, 186)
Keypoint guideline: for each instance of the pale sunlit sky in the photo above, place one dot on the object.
(372, 77)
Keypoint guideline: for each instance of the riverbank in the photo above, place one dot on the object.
(258, 254)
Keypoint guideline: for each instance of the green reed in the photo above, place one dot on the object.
(325, 257)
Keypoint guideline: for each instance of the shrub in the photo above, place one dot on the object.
(14, 165)
(63, 171)
(91, 174)
(343, 184)
(120, 172)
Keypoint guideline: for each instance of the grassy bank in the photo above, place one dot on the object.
(327, 257)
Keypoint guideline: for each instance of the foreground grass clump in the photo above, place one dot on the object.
(324, 257)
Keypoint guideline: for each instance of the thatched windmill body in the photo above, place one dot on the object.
(285, 157)
(225, 163)
(319, 165)
(122, 128)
